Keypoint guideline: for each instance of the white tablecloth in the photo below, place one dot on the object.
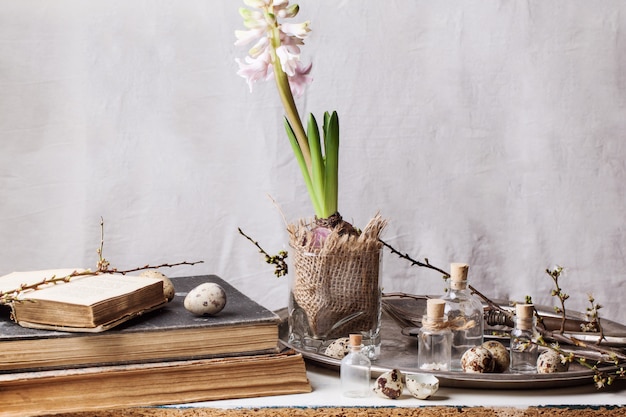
(326, 393)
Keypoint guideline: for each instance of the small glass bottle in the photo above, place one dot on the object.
(434, 340)
(355, 370)
(523, 352)
(465, 315)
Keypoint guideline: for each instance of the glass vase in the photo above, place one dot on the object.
(332, 295)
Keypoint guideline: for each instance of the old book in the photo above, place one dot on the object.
(243, 327)
(89, 303)
(98, 388)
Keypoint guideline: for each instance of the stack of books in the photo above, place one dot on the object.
(124, 350)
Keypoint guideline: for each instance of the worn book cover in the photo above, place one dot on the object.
(177, 382)
(168, 333)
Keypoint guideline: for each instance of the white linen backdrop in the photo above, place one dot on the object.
(488, 132)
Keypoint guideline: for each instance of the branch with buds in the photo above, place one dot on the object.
(280, 265)
(608, 364)
(103, 267)
(425, 264)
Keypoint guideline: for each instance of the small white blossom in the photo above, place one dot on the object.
(299, 30)
(245, 37)
(256, 3)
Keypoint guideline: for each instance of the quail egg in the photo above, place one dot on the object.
(422, 386)
(477, 360)
(206, 299)
(338, 348)
(550, 362)
(500, 355)
(168, 286)
(389, 384)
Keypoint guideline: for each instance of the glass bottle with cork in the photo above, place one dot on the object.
(524, 352)
(434, 340)
(465, 314)
(355, 370)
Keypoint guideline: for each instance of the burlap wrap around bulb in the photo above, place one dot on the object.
(338, 282)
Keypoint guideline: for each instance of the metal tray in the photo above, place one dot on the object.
(399, 351)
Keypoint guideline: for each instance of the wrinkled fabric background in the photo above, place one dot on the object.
(487, 132)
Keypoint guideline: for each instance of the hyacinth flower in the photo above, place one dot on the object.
(275, 53)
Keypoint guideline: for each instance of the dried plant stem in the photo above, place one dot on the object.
(406, 318)
(489, 303)
(405, 295)
(611, 358)
(11, 295)
(102, 263)
(558, 292)
(594, 318)
(425, 264)
(281, 268)
(579, 343)
(148, 266)
(606, 355)
(103, 267)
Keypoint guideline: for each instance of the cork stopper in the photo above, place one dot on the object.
(524, 316)
(355, 339)
(458, 271)
(458, 276)
(435, 308)
(524, 311)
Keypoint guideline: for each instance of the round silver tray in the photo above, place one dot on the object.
(399, 351)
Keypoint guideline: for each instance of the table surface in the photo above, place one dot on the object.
(326, 393)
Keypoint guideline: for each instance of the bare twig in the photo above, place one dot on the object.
(103, 267)
(558, 292)
(612, 353)
(141, 268)
(404, 295)
(487, 301)
(406, 318)
(607, 366)
(607, 355)
(593, 317)
(280, 265)
(12, 295)
(425, 264)
(102, 264)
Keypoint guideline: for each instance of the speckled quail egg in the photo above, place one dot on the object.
(549, 362)
(500, 355)
(168, 286)
(206, 299)
(477, 360)
(422, 386)
(389, 384)
(338, 348)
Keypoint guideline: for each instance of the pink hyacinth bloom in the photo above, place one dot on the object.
(255, 69)
(300, 79)
(289, 61)
(244, 37)
(261, 24)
